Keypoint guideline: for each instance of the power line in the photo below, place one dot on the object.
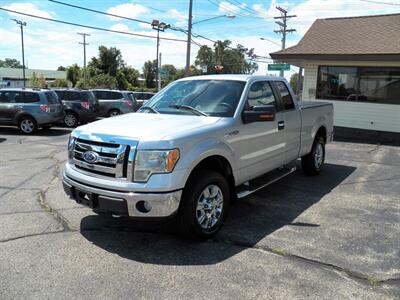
(99, 12)
(91, 27)
(381, 2)
(217, 4)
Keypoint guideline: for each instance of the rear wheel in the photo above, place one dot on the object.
(71, 119)
(114, 112)
(27, 125)
(205, 205)
(312, 163)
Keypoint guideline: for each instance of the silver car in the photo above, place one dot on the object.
(30, 109)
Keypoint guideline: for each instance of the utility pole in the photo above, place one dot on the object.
(283, 27)
(84, 53)
(189, 38)
(21, 25)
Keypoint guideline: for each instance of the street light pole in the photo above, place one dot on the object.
(21, 24)
(189, 38)
(159, 26)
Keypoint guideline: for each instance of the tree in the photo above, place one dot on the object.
(293, 81)
(42, 83)
(10, 63)
(149, 72)
(61, 68)
(108, 61)
(60, 82)
(101, 81)
(127, 77)
(168, 73)
(33, 81)
(230, 60)
(74, 73)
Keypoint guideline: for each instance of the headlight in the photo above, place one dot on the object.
(148, 162)
(71, 145)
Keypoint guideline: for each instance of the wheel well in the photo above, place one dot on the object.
(25, 115)
(322, 133)
(221, 165)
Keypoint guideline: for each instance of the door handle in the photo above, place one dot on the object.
(281, 125)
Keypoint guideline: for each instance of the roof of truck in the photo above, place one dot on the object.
(239, 77)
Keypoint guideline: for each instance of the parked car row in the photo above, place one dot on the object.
(33, 108)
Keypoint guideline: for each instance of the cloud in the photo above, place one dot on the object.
(175, 14)
(129, 10)
(27, 8)
(228, 8)
(120, 27)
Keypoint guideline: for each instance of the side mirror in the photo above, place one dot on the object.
(259, 114)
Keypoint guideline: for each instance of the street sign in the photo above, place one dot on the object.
(164, 73)
(278, 67)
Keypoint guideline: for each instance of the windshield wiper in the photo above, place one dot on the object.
(190, 108)
(149, 108)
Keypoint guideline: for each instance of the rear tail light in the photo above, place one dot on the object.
(128, 103)
(45, 108)
(85, 104)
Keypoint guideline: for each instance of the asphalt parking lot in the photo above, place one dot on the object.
(332, 236)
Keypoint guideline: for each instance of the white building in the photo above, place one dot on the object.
(354, 63)
(13, 77)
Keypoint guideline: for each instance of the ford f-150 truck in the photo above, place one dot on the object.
(196, 146)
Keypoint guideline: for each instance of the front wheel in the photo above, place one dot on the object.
(205, 205)
(312, 163)
(114, 113)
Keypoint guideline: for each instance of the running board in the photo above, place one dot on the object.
(264, 180)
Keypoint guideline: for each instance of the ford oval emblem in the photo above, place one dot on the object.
(90, 157)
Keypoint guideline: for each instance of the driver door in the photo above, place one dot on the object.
(261, 144)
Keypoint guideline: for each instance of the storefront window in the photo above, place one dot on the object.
(363, 84)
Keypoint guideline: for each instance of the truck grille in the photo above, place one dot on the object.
(104, 159)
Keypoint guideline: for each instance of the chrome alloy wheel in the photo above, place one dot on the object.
(318, 156)
(209, 206)
(27, 126)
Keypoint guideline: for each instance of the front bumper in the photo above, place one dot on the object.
(146, 205)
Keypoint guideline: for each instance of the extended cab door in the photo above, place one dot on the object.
(262, 143)
(291, 125)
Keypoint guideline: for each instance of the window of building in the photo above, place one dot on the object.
(363, 84)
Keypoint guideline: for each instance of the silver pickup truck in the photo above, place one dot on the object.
(196, 146)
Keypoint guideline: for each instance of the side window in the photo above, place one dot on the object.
(74, 96)
(116, 95)
(51, 97)
(10, 97)
(29, 97)
(287, 100)
(260, 94)
(60, 95)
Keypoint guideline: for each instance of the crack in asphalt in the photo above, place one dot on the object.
(350, 273)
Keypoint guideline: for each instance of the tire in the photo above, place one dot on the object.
(27, 125)
(71, 119)
(313, 162)
(201, 217)
(114, 113)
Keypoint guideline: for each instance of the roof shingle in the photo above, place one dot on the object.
(372, 35)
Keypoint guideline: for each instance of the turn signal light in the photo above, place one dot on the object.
(128, 103)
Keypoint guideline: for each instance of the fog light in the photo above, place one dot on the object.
(143, 206)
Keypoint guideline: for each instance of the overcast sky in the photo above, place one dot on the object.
(49, 45)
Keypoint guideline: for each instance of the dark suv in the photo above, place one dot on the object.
(30, 108)
(141, 98)
(114, 103)
(80, 106)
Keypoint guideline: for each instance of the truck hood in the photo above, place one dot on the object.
(146, 126)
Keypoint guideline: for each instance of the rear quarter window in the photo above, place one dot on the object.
(286, 98)
(52, 98)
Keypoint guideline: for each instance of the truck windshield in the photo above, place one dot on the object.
(210, 97)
